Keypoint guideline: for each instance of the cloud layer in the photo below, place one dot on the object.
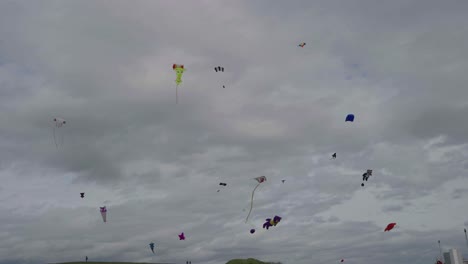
(106, 68)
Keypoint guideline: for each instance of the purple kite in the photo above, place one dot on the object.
(271, 222)
(104, 213)
(182, 236)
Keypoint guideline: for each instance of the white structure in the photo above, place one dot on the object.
(447, 258)
(453, 257)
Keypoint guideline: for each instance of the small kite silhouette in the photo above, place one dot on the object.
(182, 236)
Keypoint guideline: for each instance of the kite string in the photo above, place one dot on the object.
(425, 253)
(251, 202)
(466, 238)
(62, 136)
(176, 93)
(440, 249)
(55, 141)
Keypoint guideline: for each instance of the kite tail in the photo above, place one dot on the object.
(440, 249)
(176, 94)
(55, 141)
(251, 202)
(466, 238)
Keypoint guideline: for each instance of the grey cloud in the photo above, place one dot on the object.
(459, 193)
(106, 69)
(393, 208)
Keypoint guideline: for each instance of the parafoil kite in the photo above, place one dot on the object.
(220, 69)
(271, 222)
(366, 176)
(259, 180)
(349, 118)
(222, 184)
(82, 195)
(179, 70)
(390, 227)
(302, 44)
(182, 236)
(152, 246)
(104, 213)
(59, 122)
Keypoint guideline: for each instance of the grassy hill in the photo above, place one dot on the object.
(246, 261)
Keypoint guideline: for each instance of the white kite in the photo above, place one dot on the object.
(259, 180)
(59, 122)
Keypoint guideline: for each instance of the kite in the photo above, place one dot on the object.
(342, 260)
(179, 70)
(439, 262)
(302, 44)
(59, 122)
(104, 213)
(152, 246)
(283, 181)
(366, 176)
(82, 195)
(349, 118)
(222, 184)
(271, 222)
(334, 156)
(440, 249)
(252, 231)
(466, 238)
(219, 69)
(390, 227)
(182, 236)
(259, 180)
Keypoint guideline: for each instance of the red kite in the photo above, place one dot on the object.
(390, 227)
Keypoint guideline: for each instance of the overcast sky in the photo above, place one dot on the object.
(399, 66)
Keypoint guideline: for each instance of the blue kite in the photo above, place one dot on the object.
(349, 118)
